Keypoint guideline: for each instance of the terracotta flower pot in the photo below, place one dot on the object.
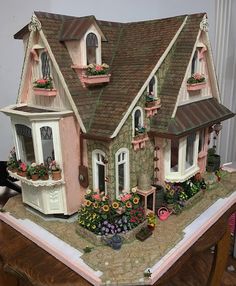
(45, 177)
(34, 177)
(21, 173)
(56, 175)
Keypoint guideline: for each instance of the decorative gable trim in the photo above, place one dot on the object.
(210, 66)
(131, 107)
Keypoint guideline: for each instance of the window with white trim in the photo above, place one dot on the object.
(122, 171)
(195, 63)
(25, 143)
(91, 48)
(99, 170)
(28, 135)
(189, 158)
(47, 144)
(152, 88)
(137, 116)
(181, 158)
(45, 65)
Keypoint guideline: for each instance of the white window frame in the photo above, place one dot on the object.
(98, 50)
(154, 87)
(182, 174)
(36, 136)
(126, 170)
(133, 119)
(95, 169)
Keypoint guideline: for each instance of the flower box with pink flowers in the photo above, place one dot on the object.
(196, 82)
(96, 74)
(44, 87)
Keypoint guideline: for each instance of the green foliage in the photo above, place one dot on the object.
(102, 216)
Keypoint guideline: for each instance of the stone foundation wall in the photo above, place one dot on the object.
(98, 239)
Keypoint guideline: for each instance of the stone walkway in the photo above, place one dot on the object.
(127, 266)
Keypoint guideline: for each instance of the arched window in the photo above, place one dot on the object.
(45, 65)
(47, 144)
(152, 87)
(91, 48)
(99, 170)
(194, 64)
(122, 171)
(25, 140)
(137, 120)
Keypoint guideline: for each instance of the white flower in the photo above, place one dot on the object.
(88, 191)
(33, 164)
(134, 190)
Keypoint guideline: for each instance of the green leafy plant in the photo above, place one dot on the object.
(45, 83)
(103, 216)
(12, 162)
(94, 69)
(196, 78)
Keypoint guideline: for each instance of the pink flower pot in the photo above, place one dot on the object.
(96, 79)
(45, 92)
(196, 86)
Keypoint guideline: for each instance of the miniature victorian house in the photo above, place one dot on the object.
(110, 101)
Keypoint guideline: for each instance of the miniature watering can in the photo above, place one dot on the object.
(163, 213)
(114, 242)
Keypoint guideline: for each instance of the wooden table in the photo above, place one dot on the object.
(23, 263)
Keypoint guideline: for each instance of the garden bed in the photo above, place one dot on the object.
(98, 239)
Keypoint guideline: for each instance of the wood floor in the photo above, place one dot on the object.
(194, 273)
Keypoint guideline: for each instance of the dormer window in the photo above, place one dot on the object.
(45, 65)
(91, 48)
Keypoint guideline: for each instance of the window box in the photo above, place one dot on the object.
(96, 79)
(139, 141)
(45, 92)
(38, 183)
(153, 103)
(196, 86)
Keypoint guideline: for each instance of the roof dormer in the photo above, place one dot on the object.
(83, 39)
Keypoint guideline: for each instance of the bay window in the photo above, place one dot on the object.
(181, 158)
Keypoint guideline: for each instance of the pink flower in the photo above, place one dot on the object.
(126, 197)
(98, 68)
(41, 81)
(23, 167)
(96, 197)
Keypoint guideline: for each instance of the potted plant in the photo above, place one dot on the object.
(43, 172)
(44, 87)
(55, 170)
(12, 163)
(151, 101)
(151, 221)
(143, 234)
(96, 74)
(22, 169)
(33, 171)
(140, 132)
(213, 160)
(196, 82)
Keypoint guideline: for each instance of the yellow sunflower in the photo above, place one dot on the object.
(115, 205)
(128, 205)
(136, 200)
(88, 203)
(95, 205)
(105, 208)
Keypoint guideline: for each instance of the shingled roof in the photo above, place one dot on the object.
(132, 50)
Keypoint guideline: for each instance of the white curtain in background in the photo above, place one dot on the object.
(225, 63)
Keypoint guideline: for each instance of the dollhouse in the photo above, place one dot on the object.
(113, 104)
